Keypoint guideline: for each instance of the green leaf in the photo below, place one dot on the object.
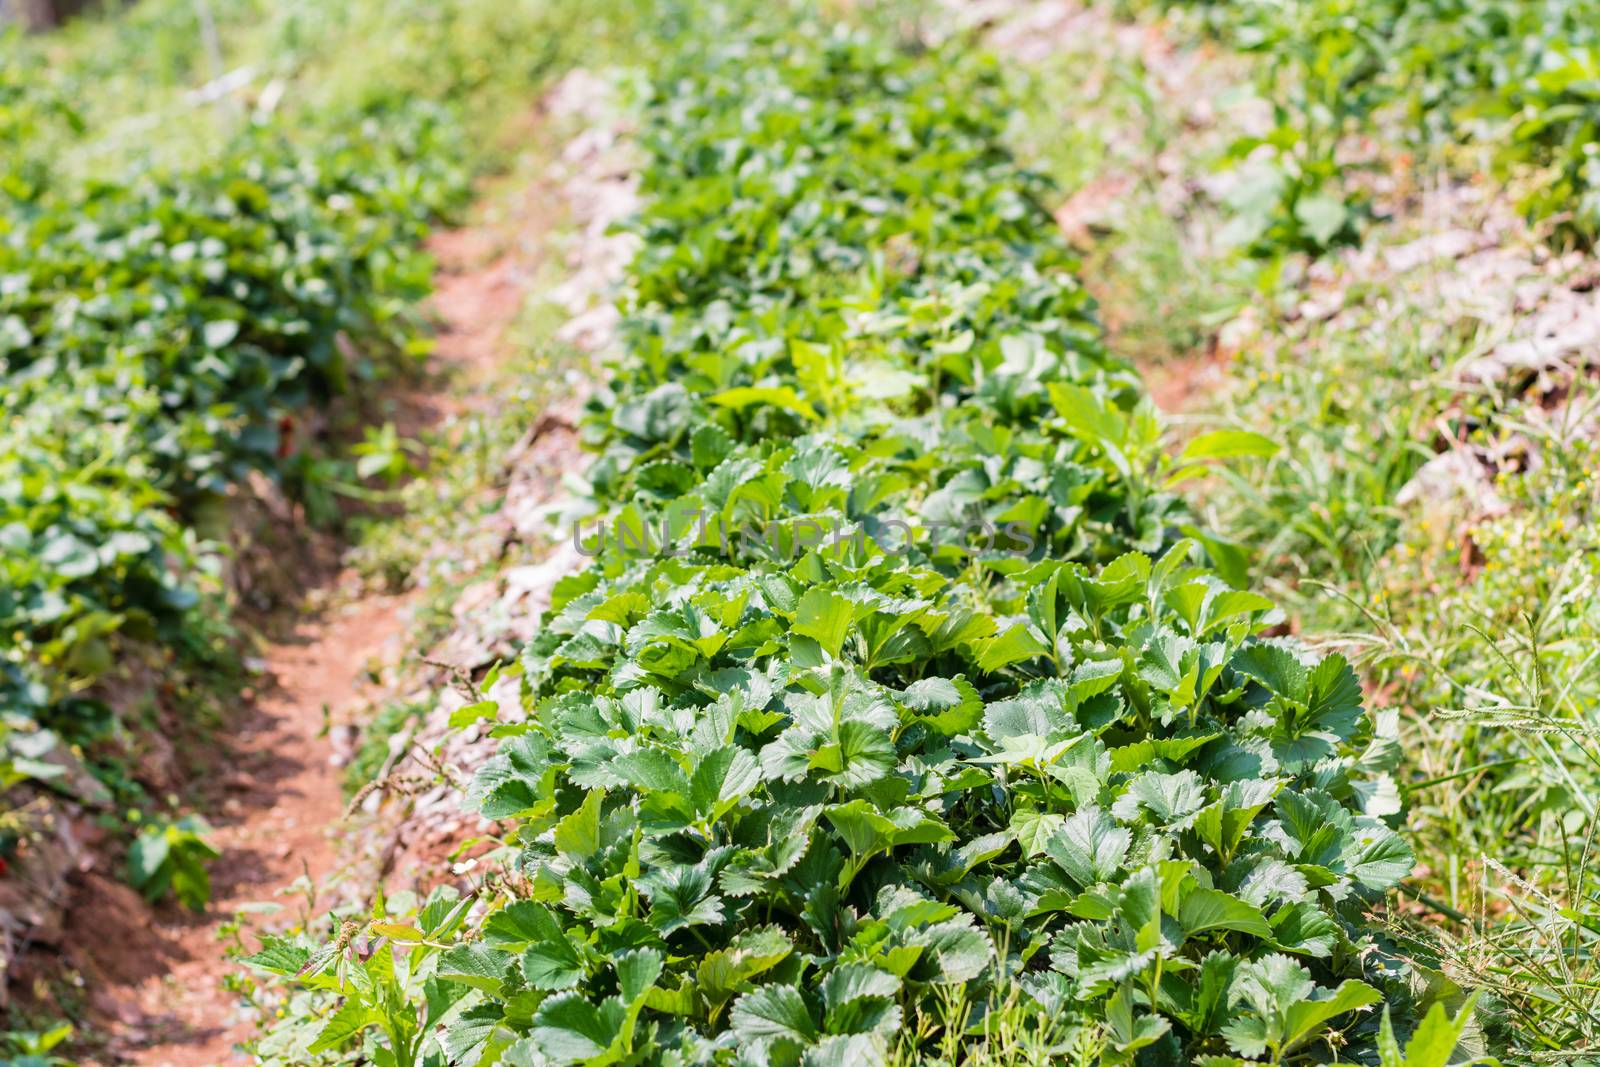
(773, 1013)
(1275, 667)
(1128, 1032)
(1173, 799)
(578, 834)
(962, 951)
(949, 705)
(1306, 1017)
(520, 924)
(220, 334)
(343, 1026)
(1090, 847)
(863, 754)
(825, 616)
(1224, 823)
(1088, 417)
(651, 770)
(552, 962)
(1231, 560)
(1201, 910)
(147, 856)
(681, 897)
(709, 446)
(401, 932)
(725, 972)
(569, 1029)
(637, 972)
(1227, 444)
(853, 981)
(477, 966)
(865, 830)
(279, 955)
(1322, 215)
(1283, 1009)
(1015, 645)
(1034, 829)
(1433, 1043)
(1304, 929)
(847, 1050)
(468, 714)
(780, 396)
(720, 779)
(1382, 858)
(477, 1035)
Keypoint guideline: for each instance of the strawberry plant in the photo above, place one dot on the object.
(163, 336)
(172, 857)
(897, 665)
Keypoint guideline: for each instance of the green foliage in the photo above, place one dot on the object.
(1516, 80)
(1294, 191)
(800, 752)
(1433, 1044)
(200, 283)
(1510, 769)
(383, 989)
(35, 1048)
(1473, 604)
(385, 455)
(373, 754)
(178, 321)
(28, 106)
(162, 339)
(172, 857)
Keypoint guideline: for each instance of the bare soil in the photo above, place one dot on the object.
(276, 801)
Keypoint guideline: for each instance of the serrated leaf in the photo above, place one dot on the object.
(1381, 857)
(477, 966)
(1304, 929)
(552, 963)
(343, 1026)
(1034, 829)
(1201, 910)
(1089, 846)
(825, 616)
(721, 778)
(725, 972)
(637, 972)
(773, 1013)
(1014, 645)
(279, 955)
(578, 834)
(949, 705)
(852, 981)
(569, 1029)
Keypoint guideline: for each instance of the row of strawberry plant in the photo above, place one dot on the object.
(163, 335)
(895, 667)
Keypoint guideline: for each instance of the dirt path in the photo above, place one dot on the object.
(268, 783)
(278, 803)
